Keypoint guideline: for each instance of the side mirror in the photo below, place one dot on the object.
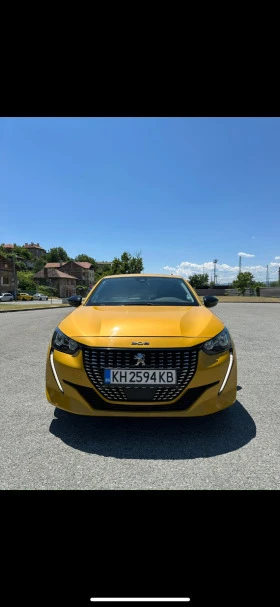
(75, 300)
(210, 301)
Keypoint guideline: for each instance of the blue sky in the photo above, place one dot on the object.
(179, 191)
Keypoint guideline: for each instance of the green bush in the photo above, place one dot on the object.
(45, 290)
(82, 290)
(25, 281)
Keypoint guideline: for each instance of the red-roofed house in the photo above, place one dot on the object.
(8, 247)
(82, 270)
(53, 264)
(64, 283)
(35, 249)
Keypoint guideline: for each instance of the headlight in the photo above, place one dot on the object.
(220, 343)
(63, 343)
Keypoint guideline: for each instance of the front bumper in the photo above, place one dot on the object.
(68, 387)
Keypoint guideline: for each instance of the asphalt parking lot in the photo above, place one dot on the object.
(44, 448)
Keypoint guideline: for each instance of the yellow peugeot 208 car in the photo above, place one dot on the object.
(141, 345)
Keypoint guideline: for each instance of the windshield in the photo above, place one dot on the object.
(142, 290)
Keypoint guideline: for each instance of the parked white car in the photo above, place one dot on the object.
(40, 297)
(6, 297)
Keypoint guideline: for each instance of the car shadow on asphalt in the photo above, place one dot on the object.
(156, 438)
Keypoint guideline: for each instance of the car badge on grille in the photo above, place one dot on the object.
(140, 359)
(140, 343)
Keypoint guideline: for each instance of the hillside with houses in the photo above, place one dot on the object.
(32, 268)
(26, 267)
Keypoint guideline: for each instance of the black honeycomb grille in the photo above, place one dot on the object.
(184, 361)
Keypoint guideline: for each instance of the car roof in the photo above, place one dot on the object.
(145, 276)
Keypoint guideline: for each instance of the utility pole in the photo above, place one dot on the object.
(12, 257)
(15, 277)
(215, 261)
(240, 264)
(267, 277)
(279, 276)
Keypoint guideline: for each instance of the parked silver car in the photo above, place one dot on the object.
(6, 297)
(40, 297)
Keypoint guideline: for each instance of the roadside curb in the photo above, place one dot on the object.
(34, 309)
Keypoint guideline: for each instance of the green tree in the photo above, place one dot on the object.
(22, 252)
(57, 254)
(17, 251)
(19, 261)
(20, 265)
(98, 274)
(82, 290)
(127, 264)
(26, 281)
(244, 280)
(39, 264)
(199, 281)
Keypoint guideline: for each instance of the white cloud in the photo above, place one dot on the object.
(225, 267)
(225, 273)
(274, 263)
(245, 255)
(277, 257)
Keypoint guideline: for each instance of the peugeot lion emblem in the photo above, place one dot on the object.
(140, 359)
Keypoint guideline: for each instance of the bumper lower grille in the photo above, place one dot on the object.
(184, 361)
(183, 404)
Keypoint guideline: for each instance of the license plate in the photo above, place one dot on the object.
(140, 377)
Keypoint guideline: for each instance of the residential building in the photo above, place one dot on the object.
(64, 283)
(82, 270)
(8, 248)
(35, 249)
(8, 275)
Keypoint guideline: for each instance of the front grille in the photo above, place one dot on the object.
(184, 361)
(183, 404)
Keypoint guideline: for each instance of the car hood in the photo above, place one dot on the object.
(116, 325)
